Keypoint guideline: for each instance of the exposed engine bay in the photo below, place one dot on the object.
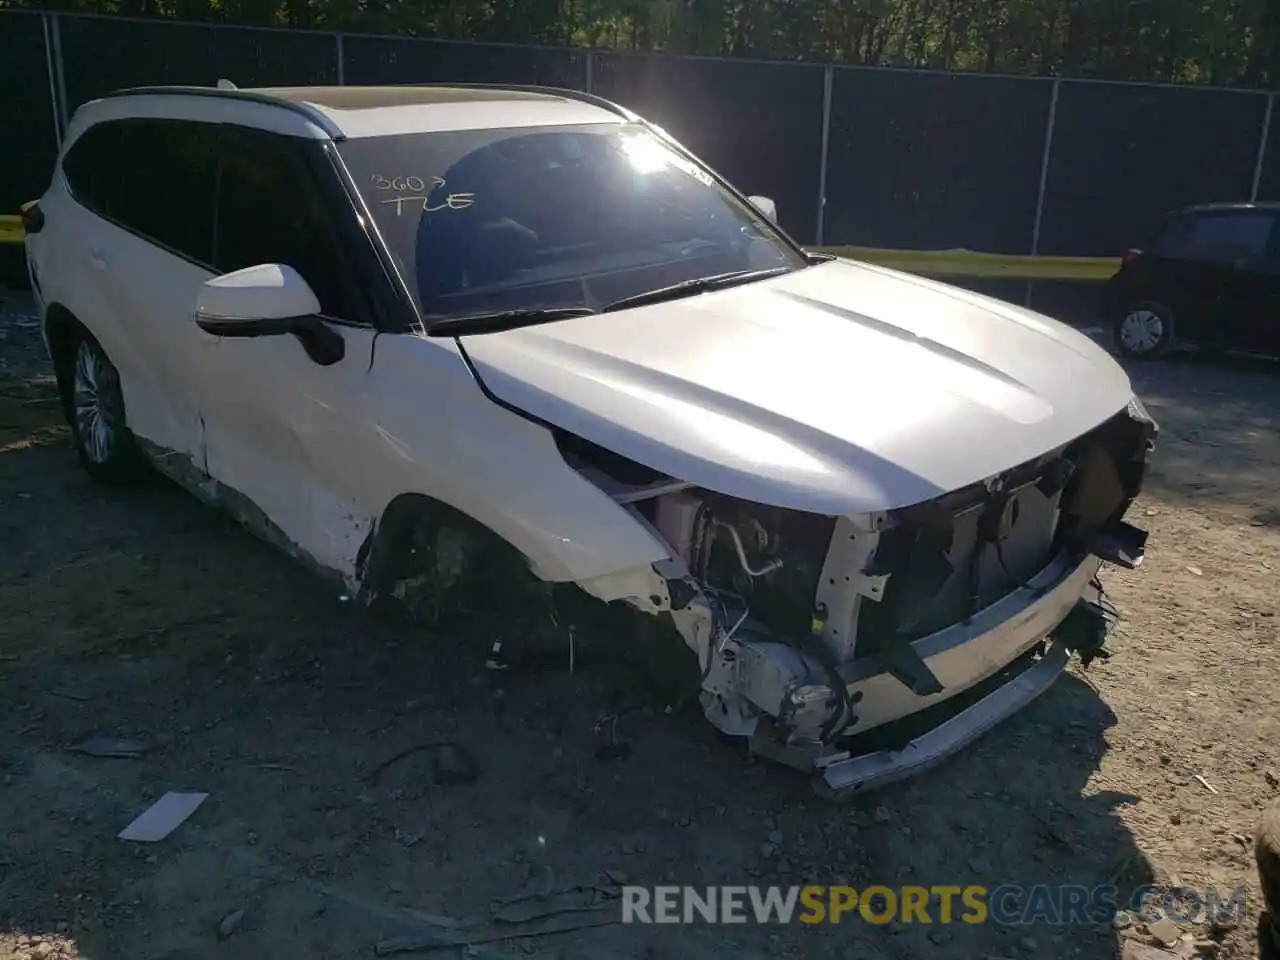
(812, 631)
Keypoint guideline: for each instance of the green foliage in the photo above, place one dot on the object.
(1226, 42)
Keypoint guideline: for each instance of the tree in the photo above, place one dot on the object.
(1228, 42)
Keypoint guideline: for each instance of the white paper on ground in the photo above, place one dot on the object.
(162, 817)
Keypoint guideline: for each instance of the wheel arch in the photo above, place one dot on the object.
(59, 330)
(385, 555)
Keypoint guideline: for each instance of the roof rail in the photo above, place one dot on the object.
(316, 116)
(228, 90)
(567, 92)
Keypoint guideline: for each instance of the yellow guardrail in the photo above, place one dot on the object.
(968, 263)
(11, 229)
(933, 263)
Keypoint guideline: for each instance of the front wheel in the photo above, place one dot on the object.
(107, 449)
(1145, 331)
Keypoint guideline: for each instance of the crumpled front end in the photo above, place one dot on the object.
(865, 648)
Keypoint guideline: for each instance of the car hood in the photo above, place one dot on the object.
(841, 388)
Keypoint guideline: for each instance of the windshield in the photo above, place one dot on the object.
(550, 217)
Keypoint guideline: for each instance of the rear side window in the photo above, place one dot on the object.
(1218, 237)
(164, 183)
(270, 210)
(90, 164)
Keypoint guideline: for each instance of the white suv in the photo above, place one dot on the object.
(384, 326)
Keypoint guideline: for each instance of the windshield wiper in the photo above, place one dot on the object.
(495, 321)
(688, 288)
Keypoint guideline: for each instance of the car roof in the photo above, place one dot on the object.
(343, 112)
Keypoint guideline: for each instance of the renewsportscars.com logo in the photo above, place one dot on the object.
(1008, 904)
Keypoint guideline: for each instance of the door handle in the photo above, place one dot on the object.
(97, 259)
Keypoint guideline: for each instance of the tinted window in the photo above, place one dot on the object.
(1218, 237)
(90, 164)
(1273, 252)
(552, 216)
(270, 210)
(164, 182)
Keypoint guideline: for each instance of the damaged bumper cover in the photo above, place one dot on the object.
(847, 774)
(959, 656)
(929, 627)
(1023, 642)
(1064, 604)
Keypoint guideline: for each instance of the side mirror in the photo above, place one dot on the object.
(765, 206)
(255, 301)
(32, 217)
(267, 300)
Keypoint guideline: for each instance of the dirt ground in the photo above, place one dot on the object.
(141, 614)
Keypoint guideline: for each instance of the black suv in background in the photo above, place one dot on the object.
(1210, 276)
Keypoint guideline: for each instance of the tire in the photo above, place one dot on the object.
(1266, 850)
(1144, 330)
(107, 449)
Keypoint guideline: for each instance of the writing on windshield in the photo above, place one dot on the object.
(413, 191)
(543, 218)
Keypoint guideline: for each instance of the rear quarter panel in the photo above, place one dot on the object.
(110, 305)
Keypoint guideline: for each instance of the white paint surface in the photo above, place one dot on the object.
(839, 389)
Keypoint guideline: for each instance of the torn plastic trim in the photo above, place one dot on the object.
(961, 656)
(1084, 632)
(1137, 410)
(848, 775)
(1005, 628)
(808, 690)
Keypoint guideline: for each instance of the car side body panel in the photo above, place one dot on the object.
(1190, 289)
(133, 297)
(497, 467)
(149, 293)
(316, 454)
(1254, 312)
(275, 420)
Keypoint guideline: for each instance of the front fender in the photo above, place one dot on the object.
(453, 446)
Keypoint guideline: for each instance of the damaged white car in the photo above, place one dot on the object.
(869, 503)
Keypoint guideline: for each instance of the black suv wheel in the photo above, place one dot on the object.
(1144, 330)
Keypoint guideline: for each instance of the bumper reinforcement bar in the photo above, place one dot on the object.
(866, 772)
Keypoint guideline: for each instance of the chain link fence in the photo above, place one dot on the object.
(852, 155)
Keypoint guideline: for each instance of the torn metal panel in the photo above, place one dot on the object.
(845, 583)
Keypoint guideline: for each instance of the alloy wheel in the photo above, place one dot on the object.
(96, 399)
